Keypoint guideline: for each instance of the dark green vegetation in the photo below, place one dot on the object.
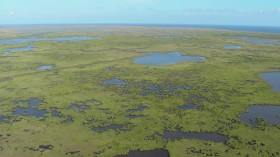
(96, 102)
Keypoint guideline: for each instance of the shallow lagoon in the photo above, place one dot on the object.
(159, 59)
(269, 113)
(273, 78)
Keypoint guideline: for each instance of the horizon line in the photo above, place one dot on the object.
(134, 24)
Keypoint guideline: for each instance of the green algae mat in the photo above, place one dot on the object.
(138, 91)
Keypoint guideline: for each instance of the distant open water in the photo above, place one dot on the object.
(264, 29)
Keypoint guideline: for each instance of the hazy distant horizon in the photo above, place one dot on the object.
(261, 29)
(199, 12)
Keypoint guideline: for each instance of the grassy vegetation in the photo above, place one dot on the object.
(222, 87)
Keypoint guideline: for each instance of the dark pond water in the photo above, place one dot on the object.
(270, 113)
(134, 116)
(109, 127)
(69, 119)
(45, 67)
(29, 111)
(35, 39)
(117, 82)
(139, 108)
(2, 118)
(273, 78)
(232, 47)
(159, 59)
(186, 107)
(46, 147)
(206, 136)
(81, 108)
(16, 49)
(56, 114)
(147, 153)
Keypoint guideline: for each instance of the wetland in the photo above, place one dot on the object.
(138, 91)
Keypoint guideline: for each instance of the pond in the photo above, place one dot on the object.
(206, 136)
(134, 116)
(259, 41)
(187, 107)
(109, 127)
(45, 67)
(117, 82)
(159, 59)
(30, 111)
(147, 153)
(270, 113)
(262, 41)
(273, 78)
(232, 47)
(139, 108)
(81, 108)
(35, 39)
(16, 49)
(2, 118)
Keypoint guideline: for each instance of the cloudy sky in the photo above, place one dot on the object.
(218, 12)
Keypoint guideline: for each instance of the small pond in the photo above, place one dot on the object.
(206, 136)
(81, 108)
(109, 127)
(11, 56)
(261, 41)
(187, 107)
(273, 78)
(30, 111)
(232, 47)
(117, 82)
(45, 67)
(159, 59)
(134, 116)
(2, 118)
(147, 153)
(270, 113)
(16, 49)
(139, 108)
(35, 39)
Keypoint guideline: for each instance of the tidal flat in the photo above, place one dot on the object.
(81, 93)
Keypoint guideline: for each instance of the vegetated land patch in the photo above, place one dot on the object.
(82, 93)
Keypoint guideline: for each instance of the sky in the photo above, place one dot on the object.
(208, 12)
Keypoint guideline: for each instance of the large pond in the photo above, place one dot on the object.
(273, 78)
(147, 153)
(158, 59)
(270, 113)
